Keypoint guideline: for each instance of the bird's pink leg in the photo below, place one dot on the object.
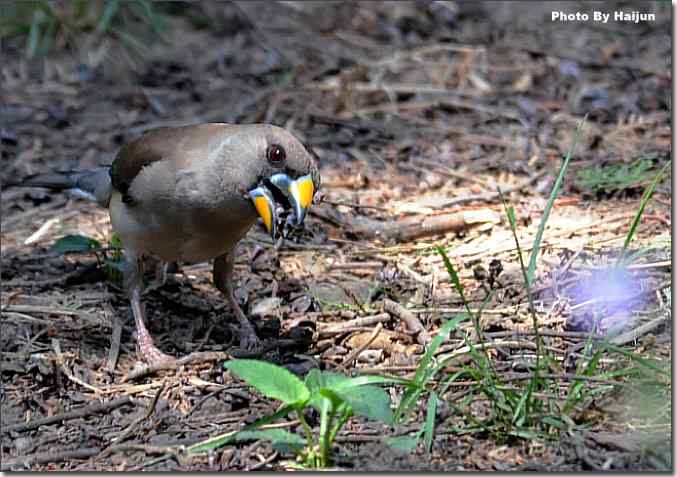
(133, 285)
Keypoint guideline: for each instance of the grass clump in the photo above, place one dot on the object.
(616, 177)
(550, 401)
(43, 26)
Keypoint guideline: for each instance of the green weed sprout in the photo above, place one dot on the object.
(336, 397)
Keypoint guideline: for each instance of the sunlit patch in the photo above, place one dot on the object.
(603, 303)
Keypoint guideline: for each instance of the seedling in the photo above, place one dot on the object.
(112, 264)
(336, 397)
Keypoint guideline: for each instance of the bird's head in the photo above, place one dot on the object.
(287, 180)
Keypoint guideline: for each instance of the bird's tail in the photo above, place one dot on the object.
(93, 184)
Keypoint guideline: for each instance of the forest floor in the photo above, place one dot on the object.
(417, 113)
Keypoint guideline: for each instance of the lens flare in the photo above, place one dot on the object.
(603, 302)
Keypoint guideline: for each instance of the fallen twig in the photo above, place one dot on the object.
(356, 352)
(336, 329)
(641, 330)
(129, 429)
(114, 350)
(406, 229)
(66, 416)
(145, 370)
(413, 324)
(61, 362)
(51, 457)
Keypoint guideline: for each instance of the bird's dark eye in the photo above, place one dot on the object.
(276, 154)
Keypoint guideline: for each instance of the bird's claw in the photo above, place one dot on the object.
(149, 353)
(250, 344)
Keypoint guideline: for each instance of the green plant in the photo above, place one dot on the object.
(335, 397)
(614, 177)
(111, 258)
(426, 371)
(648, 193)
(536, 410)
(45, 25)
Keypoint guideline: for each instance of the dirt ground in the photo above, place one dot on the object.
(417, 111)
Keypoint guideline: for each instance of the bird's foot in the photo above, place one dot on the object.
(250, 344)
(149, 353)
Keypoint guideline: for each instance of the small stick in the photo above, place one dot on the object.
(66, 416)
(413, 324)
(51, 457)
(129, 429)
(44, 228)
(114, 350)
(59, 359)
(357, 322)
(632, 335)
(356, 352)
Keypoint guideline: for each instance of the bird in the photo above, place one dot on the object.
(190, 194)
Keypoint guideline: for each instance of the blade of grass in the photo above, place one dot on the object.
(34, 33)
(644, 362)
(423, 371)
(107, 16)
(454, 277)
(648, 193)
(429, 427)
(531, 270)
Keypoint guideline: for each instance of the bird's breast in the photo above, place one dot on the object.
(181, 231)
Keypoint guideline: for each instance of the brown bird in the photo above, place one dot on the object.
(190, 194)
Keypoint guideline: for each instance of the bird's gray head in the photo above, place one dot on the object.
(287, 178)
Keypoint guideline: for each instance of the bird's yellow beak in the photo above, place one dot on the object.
(298, 192)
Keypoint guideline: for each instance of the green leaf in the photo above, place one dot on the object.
(429, 427)
(115, 241)
(368, 401)
(280, 438)
(151, 16)
(328, 379)
(531, 269)
(118, 265)
(272, 381)
(642, 361)
(404, 443)
(638, 216)
(424, 372)
(617, 176)
(313, 380)
(452, 273)
(328, 395)
(34, 34)
(316, 381)
(289, 441)
(223, 439)
(368, 379)
(74, 243)
(554, 422)
(526, 395)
